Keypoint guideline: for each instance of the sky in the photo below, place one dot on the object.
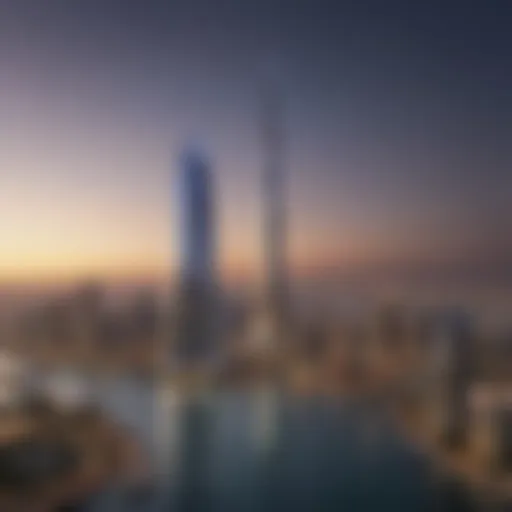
(398, 117)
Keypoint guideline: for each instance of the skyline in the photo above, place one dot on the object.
(397, 123)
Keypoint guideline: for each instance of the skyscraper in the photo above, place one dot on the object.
(196, 217)
(275, 211)
(196, 330)
(452, 347)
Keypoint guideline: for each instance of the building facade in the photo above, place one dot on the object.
(196, 333)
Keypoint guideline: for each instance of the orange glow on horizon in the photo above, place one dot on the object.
(240, 267)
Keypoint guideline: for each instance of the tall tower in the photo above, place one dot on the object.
(275, 211)
(196, 243)
(196, 205)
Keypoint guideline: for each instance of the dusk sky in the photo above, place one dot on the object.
(398, 128)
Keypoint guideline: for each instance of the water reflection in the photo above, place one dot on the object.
(265, 451)
(193, 486)
(264, 420)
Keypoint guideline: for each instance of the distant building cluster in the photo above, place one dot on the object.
(82, 320)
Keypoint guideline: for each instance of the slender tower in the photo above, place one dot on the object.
(196, 331)
(197, 244)
(275, 211)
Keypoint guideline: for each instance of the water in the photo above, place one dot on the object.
(259, 451)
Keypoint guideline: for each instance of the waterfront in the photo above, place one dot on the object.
(261, 450)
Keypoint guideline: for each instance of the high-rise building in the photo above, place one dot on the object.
(275, 212)
(196, 330)
(196, 235)
(453, 371)
(144, 316)
(87, 304)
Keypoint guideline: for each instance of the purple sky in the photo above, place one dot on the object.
(398, 125)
